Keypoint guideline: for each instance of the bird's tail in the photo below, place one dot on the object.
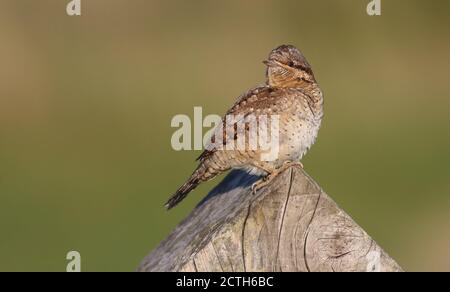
(201, 174)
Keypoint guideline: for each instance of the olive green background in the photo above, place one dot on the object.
(86, 103)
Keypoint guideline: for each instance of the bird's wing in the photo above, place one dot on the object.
(262, 100)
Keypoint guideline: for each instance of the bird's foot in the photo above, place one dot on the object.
(269, 178)
(289, 163)
(262, 183)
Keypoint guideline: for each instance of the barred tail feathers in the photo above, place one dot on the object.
(201, 174)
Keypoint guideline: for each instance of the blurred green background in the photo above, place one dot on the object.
(86, 103)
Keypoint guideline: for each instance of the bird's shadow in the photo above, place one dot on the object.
(235, 179)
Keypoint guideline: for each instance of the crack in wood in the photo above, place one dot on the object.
(304, 252)
(307, 233)
(218, 257)
(243, 235)
(280, 229)
(231, 219)
(194, 264)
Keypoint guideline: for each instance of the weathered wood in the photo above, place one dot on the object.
(291, 225)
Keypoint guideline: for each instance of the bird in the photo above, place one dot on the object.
(290, 93)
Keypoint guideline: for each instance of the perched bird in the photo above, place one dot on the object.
(290, 93)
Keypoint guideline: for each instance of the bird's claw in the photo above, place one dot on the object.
(261, 183)
(289, 163)
(254, 188)
(268, 178)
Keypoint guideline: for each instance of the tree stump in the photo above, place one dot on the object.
(290, 225)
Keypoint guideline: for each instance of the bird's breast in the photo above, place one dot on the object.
(298, 131)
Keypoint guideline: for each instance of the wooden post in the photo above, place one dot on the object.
(291, 225)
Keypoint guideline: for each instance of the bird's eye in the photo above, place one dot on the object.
(291, 64)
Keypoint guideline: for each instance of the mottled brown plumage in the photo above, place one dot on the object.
(292, 94)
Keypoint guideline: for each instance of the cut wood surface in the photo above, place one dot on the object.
(291, 225)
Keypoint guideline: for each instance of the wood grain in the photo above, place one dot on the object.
(291, 225)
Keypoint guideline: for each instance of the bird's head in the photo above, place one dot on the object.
(287, 67)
